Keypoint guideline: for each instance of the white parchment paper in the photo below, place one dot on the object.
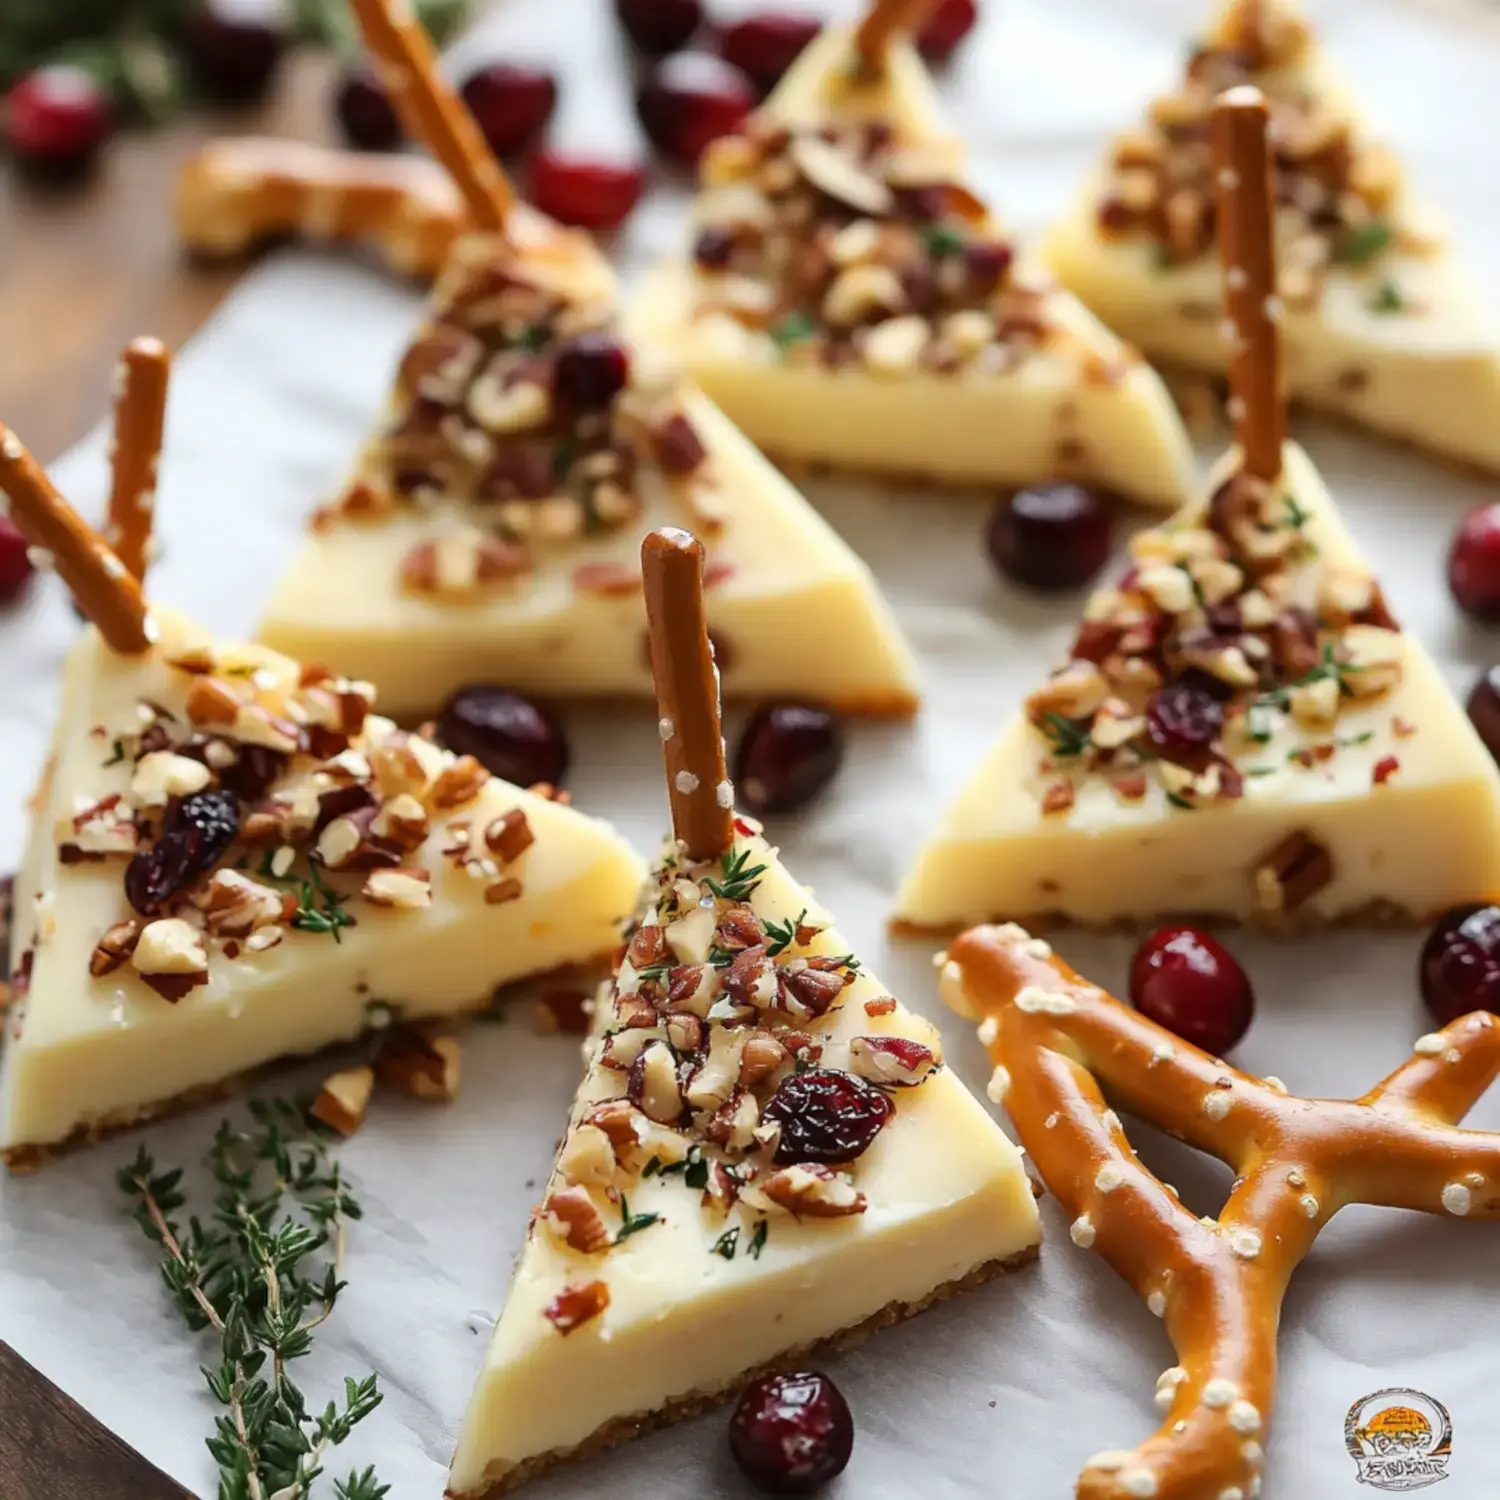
(1004, 1392)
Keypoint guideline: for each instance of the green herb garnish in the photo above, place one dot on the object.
(535, 337)
(1177, 800)
(757, 1241)
(1069, 737)
(782, 934)
(735, 882)
(793, 328)
(941, 240)
(632, 1223)
(256, 1275)
(320, 908)
(1386, 298)
(726, 1243)
(117, 749)
(1363, 243)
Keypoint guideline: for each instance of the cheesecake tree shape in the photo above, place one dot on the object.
(488, 530)
(848, 300)
(766, 1157)
(233, 858)
(1382, 322)
(1065, 1050)
(1241, 727)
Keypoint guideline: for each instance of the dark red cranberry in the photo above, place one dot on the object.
(1054, 536)
(15, 562)
(1186, 981)
(253, 774)
(691, 99)
(947, 24)
(365, 114)
(791, 1433)
(591, 370)
(826, 1116)
(1484, 708)
(987, 262)
(1183, 718)
(232, 47)
(587, 191)
(56, 119)
(1474, 563)
(505, 732)
(764, 46)
(714, 247)
(194, 836)
(1459, 969)
(659, 26)
(788, 753)
(511, 102)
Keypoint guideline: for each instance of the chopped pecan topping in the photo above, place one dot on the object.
(808, 1190)
(894, 1060)
(117, 944)
(509, 836)
(1292, 873)
(425, 1067)
(576, 1305)
(170, 956)
(344, 1098)
(571, 1216)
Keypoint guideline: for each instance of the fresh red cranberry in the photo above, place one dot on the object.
(1183, 718)
(947, 24)
(1474, 563)
(56, 119)
(788, 753)
(764, 46)
(1484, 709)
(194, 835)
(591, 370)
(508, 734)
(15, 561)
(791, 1433)
(1183, 979)
(511, 102)
(232, 47)
(826, 1116)
(691, 99)
(1459, 970)
(586, 191)
(1054, 536)
(659, 26)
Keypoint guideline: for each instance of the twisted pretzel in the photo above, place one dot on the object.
(406, 64)
(234, 193)
(140, 397)
(1218, 1284)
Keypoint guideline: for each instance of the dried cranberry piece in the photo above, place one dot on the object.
(1184, 718)
(1186, 981)
(519, 472)
(253, 774)
(507, 734)
(659, 26)
(1474, 564)
(679, 450)
(987, 262)
(1484, 710)
(788, 753)
(826, 1116)
(591, 370)
(15, 561)
(1459, 970)
(194, 835)
(714, 247)
(791, 1433)
(1052, 536)
(365, 113)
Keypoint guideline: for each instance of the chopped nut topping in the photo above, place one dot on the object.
(1292, 873)
(576, 1305)
(344, 1098)
(426, 1068)
(571, 1216)
(509, 836)
(807, 1191)
(895, 1060)
(170, 956)
(411, 890)
(458, 783)
(117, 944)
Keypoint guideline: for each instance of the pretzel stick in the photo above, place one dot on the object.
(883, 20)
(687, 693)
(140, 409)
(101, 584)
(405, 62)
(1247, 250)
(234, 193)
(1218, 1284)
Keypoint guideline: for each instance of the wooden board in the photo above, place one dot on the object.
(52, 1449)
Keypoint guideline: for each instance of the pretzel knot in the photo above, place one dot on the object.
(1217, 1283)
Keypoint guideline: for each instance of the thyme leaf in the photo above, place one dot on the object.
(736, 880)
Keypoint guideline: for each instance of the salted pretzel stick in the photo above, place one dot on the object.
(234, 193)
(405, 62)
(882, 22)
(687, 692)
(100, 582)
(1218, 1284)
(1247, 251)
(140, 409)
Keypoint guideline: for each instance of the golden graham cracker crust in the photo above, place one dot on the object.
(623, 1429)
(28, 1157)
(1372, 915)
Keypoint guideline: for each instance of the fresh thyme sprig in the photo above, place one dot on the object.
(320, 908)
(736, 882)
(782, 934)
(256, 1275)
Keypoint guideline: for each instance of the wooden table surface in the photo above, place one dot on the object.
(85, 267)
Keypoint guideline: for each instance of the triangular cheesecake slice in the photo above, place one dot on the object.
(1241, 728)
(848, 300)
(766, 1157)
(233, 859)
(1381, 323)
(488, 530)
